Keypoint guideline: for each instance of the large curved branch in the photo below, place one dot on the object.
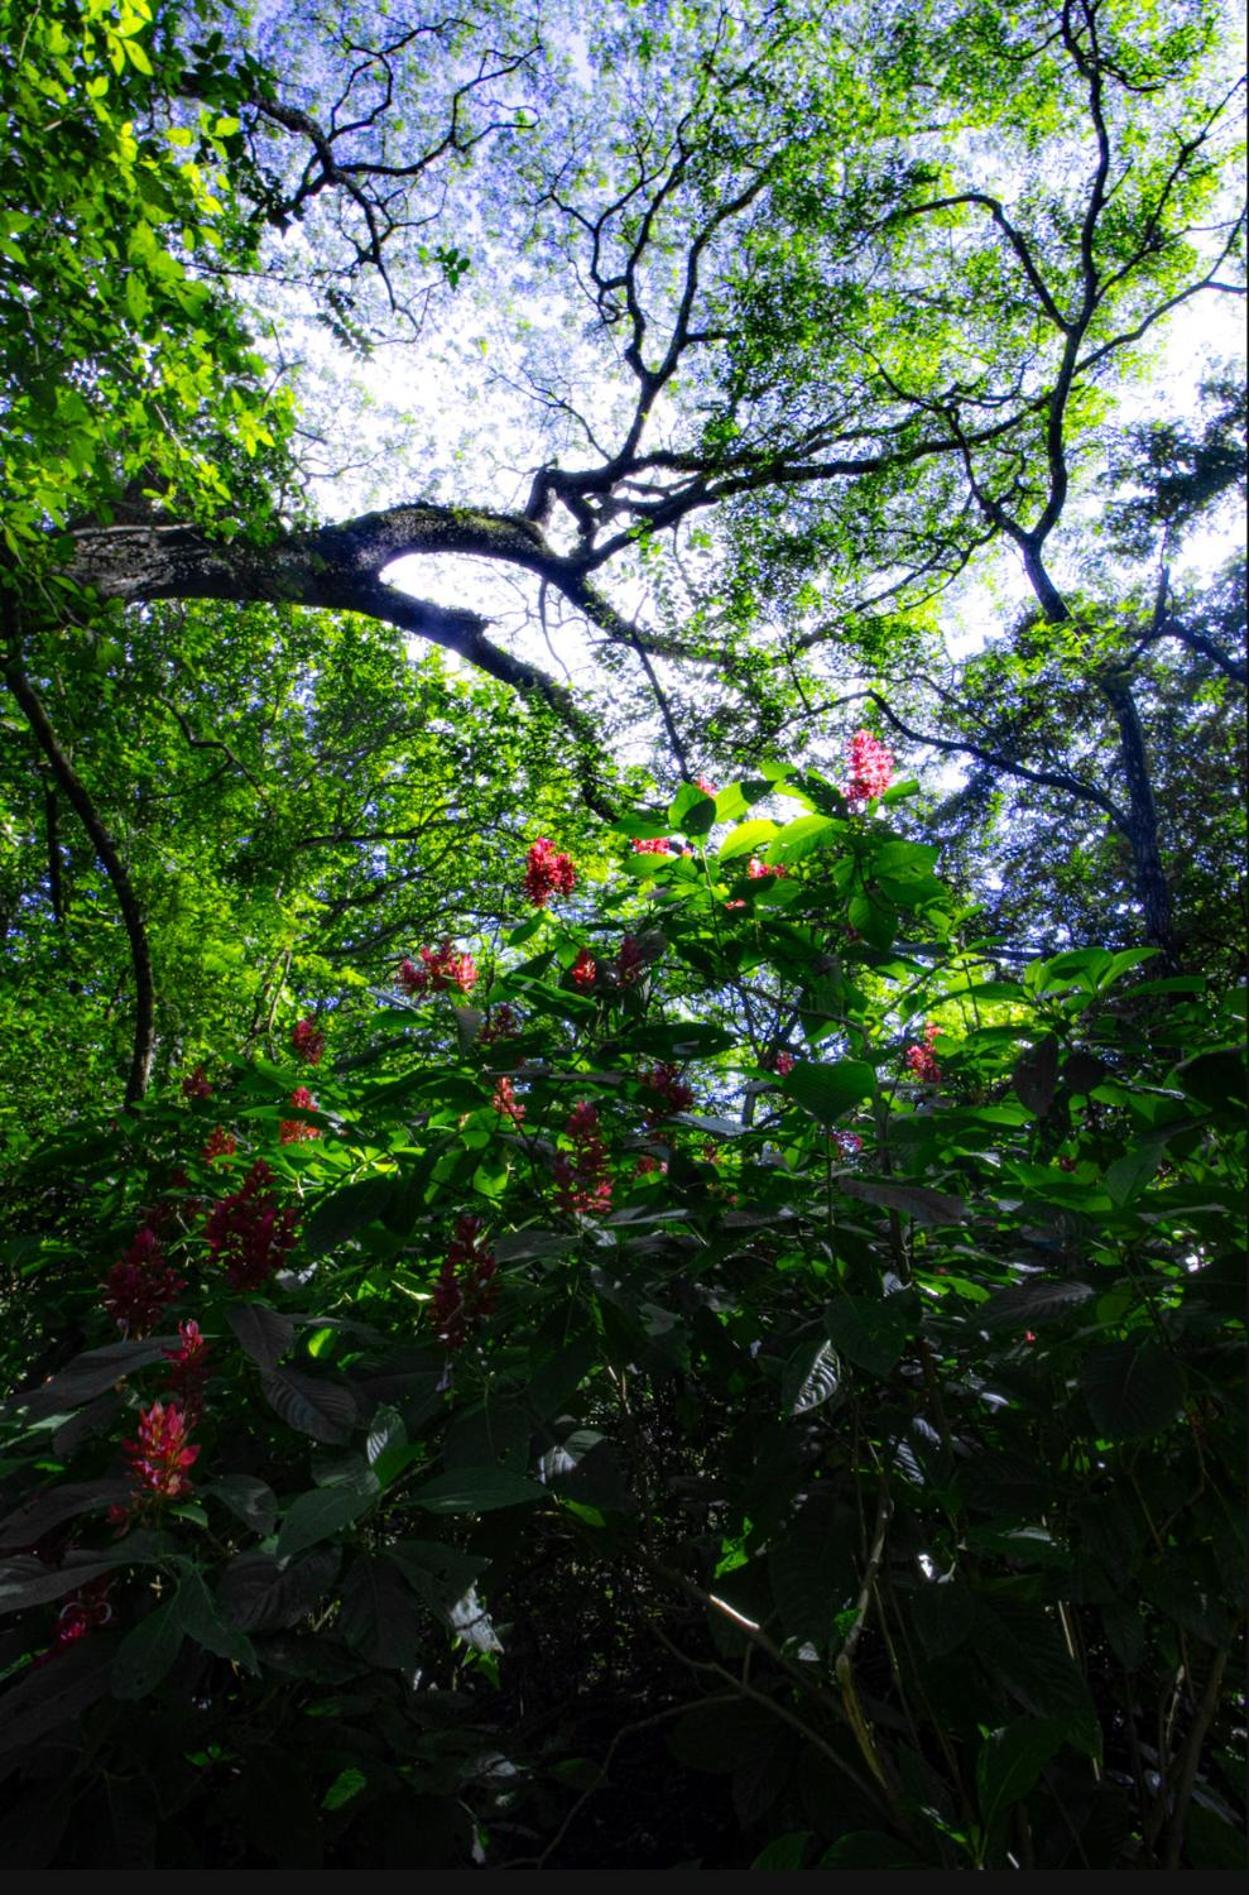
(339, 568)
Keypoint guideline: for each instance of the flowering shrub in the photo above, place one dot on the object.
(657, 845)
(308, 1042)
(140, 1287)
(160, 1456)
(249, 1232)
(219, 1144)
(443, 970)
(196, 1085)
(582, 1180)
(921, 1059)
(871, 768)
(548, 872)
(672, 1095)
(466, 1291)
(899, 1400)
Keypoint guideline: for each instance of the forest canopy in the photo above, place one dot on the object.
(622, 1035)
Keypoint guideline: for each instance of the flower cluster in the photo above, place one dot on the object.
(922, 1060)
(161, 1454)
(141, 1285)
(297, 1131)
(442, 969)
(671, 1093)
(503, 1024)
(871, 768)
(505, 1102)
(219, 1144)
(758, 871)
(547, 873)
(847, 1144)
(466, 1291)
(657, 845)
(188, 1369)
(584, 969)
(648, 1166)
(196, 1086)
(79, 1616)
(708, 788)
(630, 962)
(581, 1177)
(249, 1233)
(783, 1063)
(308, 1042)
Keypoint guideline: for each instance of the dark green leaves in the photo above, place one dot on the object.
(1132, 1388)
(1011, 1761)
(476, 1490)
(870, 1332)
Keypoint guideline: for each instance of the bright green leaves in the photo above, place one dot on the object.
(829, 1092)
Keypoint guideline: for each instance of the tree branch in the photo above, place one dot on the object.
(106, 849)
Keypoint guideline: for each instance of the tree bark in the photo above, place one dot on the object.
(76, 795)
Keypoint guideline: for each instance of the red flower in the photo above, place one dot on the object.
(871, 768)
(673, 1095)
(442, 969)
(188, 1369)
(196, 1086)
(922, 1060)
(648, 1165)
(297, 1131)
(504, 1100)
(249, 1233)
(584, 969)
(784, 1064)
(581, 1177)
(221, 1144)
(657, 845)
(139, 1288)
(466, 1291)
(547, 873)
(77, 1617)
(630, 962)
(161, 1455)
(707, 788)
(758, 871)
(503, 1024)
(848, 1144)
(308, 1042)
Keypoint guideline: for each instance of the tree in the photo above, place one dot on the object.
(620, 1323)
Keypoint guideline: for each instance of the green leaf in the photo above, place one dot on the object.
(870, 1331)
(341, 1215)
(1035, 1077)
(263, 1333)
(1011, 1761)
(248, 1499)
(324, 1410)
(147, 1652)
(813, 1375)
(787, 1852)
(1043, 1300)
(692, 813)
(870, 1849)
(827, 1092)
(920, 1201)
(346, 1785)
(477, 1490)
(1132, 1389)
(318, 1516)
(200, 1620)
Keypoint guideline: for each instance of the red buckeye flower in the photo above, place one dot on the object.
(547, 872)
(871, 768)
(308, 1042)
(139, 1288)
